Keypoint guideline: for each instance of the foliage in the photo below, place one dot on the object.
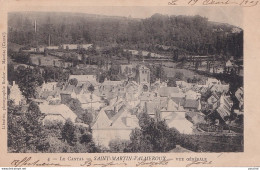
(20, 57)
(11, 73)
(73, 82)
(171, 82)
(87, 117)
(25, 130)
(68, 132)
(83, 115)
(118, 145)
(29, 80)
(82, 141)
(157, 72)
(55, 74)
(91, 88)
(189, 34)
(154, 136)
(113, 73)
(102, 77)
(179, 76)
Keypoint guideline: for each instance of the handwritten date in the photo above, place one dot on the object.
(242, 3)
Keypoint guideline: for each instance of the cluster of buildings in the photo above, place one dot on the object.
(144, 53)
(115, 105)
(40, 60)
(60, 47)
(211, 65)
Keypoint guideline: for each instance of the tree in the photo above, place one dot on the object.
(11, 73)
(68, 132)
(154, 136)
(118, 145)
(179, 76)
(73, 82)
(87, 117)
(172, 82)
(25, 130)
(128, 56)
(176, 55)
(21, 57)
(29, 80)
(101, 77)
(91, 88)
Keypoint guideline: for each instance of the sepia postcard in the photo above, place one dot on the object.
(169, 83)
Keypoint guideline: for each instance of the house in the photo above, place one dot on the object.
(146, 97)
(183, 84)
(56, 113)
(152, 108)
(190, 94)
(230, 66)
(170, 108)
(49, 86)
(157, 85)
(220, 88)
(49, 91)
(113, 125)
(53, 47)
(92, 78)
(41, 60)
(213, 101)
(195, 117)
(111, 89)
(240, 97)
(30, 50)
(225, 105)
(192, 105)
(174, 116)
(85, 46)
(212, 81)
(16, 94)
(132, 91)
(90, 101)
(69, 46)
(167, 91)
(40, 49)
(216, 68)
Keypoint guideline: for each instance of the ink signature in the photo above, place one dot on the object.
(88, 162)
(27, 161)
(153, 163)
(199, 162)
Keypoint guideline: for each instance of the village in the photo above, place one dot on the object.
(116, 90)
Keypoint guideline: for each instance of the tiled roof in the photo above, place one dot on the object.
(189, 103)
(62, 110)
(166, 91)
(178, 100)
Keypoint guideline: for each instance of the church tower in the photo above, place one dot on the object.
(144, 77)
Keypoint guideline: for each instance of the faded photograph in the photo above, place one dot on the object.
(132, 79)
